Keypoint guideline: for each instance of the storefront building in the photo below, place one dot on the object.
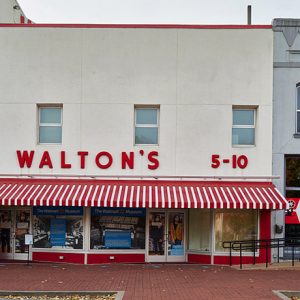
(135, 143)
(286, 122)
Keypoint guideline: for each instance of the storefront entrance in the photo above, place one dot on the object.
(14, 224)
(166, 236)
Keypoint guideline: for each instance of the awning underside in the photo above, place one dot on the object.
(141, 193)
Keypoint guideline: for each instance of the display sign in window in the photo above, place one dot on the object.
(117, 228)
(58, 227)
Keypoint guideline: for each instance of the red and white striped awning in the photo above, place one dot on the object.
(141, 193)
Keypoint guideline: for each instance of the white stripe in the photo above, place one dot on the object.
(22, 200)
(260, 203)
(56, 196)
(119, 195)
(131, 196)
(60, 201)
(94, 195)
(247, 202)
(9, 200)
(267, 202)
(10, 191)
(175, 197)
(232, 198)
(187, 197)
(162, 196)
(280, 202)
(169, 197)
(237, 195)
(44, 195)
(69, 195)
(225, 196)
(125, 196)
(206, 196)
(219, 196)
(106, 196)
(82, 195)
(253, 201)
(86, 200)
(4, 192)
(194, 197)
(137, 202)
(156, 196)
(150, 196)
(113, 196)
(144, 196)
(37, 196)
(273, 202)
(284, 200)
(213, 197)
(53, 190)
(75, 196)
(28, 200)
(181, 197)
(200, 197)
(100, 196)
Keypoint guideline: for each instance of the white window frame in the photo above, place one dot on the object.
(40, 107)
(297, 109)
(157, 108)
(244, 126)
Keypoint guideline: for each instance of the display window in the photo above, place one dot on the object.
(117, 228)
(22, 228)
(58, 227)
(5, 231)
(199, 229)
(235, 225)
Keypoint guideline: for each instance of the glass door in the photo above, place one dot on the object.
(166, 236)
(14, 224)
(6, 234)
(22, 227)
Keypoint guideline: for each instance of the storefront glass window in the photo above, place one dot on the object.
(235, 225)
(117, 228)
(199, 229)
(58, 227)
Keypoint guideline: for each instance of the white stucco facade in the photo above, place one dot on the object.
(195, 77)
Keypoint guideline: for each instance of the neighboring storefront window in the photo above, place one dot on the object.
(117, 228)
(58, 227)
(199, 229)
(292, 176)
(235, 225)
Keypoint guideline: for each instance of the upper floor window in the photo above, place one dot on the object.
(243, 127)
(298, 109)
(146, 125)
(50, 125)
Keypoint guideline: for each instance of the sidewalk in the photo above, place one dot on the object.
(152, 281)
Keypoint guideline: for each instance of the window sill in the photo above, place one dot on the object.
(297, 135)
(243, 146)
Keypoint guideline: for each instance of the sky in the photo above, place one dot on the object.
(158, 11)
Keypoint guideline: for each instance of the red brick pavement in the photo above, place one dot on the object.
(147, 282)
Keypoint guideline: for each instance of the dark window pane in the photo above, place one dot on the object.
(146, 116)
(146, 135)
(292, 171)
(50, 115)
(298, 98)
(50, 134)
(242, 136)
(243, 117)
(292, 194)
(298, 121)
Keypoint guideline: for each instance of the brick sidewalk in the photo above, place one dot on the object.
(152, 281)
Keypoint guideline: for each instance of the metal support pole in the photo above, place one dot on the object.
(253, 248)
(241, 264)
(230, 254)
(278, 251)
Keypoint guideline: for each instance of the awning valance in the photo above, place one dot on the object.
(141, 193)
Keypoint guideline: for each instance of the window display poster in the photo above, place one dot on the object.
(117, 239)
(58, 232)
